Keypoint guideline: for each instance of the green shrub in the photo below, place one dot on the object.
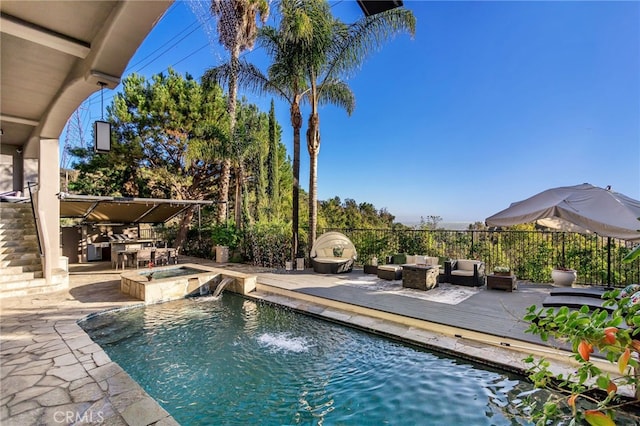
(225, 235)
(267, 244)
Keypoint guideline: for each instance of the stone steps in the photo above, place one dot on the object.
(23, 249)
(20, 263)
(27, 265)
(27, 285)
(19, 255)
(16, 273)
(9, 233)
(29, 240)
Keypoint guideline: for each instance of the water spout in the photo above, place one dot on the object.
(220, 287)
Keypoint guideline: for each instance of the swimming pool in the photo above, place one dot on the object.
(234, 361)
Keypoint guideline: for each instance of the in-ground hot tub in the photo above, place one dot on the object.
(177, 281)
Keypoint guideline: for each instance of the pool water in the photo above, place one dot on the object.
(171, 272)
(234, 361)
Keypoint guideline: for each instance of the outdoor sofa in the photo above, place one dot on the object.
(393, 271)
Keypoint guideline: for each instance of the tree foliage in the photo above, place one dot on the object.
(615, 336)
(273, 172)
(237, 29)
(331, 51)
(170, 136)
(349, 214)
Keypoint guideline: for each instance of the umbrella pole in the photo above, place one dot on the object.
(609, 262)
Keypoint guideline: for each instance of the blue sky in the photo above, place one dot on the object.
(489, 103)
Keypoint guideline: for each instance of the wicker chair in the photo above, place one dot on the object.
(333, 253)
(465, 272)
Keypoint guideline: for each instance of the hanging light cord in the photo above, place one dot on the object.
(102, 99)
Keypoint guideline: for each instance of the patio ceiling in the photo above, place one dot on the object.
(56, 53)
(123, 210)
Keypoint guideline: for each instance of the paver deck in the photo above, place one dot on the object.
(51, 372)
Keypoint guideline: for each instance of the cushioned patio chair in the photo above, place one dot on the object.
(465, 272)
(333, 253)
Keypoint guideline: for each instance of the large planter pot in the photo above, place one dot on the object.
(563, 278)
(222, 254)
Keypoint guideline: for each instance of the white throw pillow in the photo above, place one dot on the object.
(411, 259)
(432, 261)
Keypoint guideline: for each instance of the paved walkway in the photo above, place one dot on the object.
(51, 372)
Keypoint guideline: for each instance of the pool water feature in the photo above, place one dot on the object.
(235, 361)
(166, 283)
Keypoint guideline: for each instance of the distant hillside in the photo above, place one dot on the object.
(452, 226)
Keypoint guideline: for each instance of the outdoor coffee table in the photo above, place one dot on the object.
(421, 277)
(502, 282)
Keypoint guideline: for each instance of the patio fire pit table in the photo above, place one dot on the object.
(421, 277)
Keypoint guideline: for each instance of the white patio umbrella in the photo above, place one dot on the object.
(581, 208)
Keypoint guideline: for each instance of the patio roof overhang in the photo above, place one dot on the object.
(95, 209)
(55, 54)
(371, 7)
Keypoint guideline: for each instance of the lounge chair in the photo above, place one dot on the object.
(465, 272)
(333, 253)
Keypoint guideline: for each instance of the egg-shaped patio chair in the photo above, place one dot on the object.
(333, 253)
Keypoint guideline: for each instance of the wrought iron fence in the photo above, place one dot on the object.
(531, 255)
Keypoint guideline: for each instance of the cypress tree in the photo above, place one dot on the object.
(273, 187)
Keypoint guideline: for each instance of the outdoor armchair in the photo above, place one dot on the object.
(465, 272)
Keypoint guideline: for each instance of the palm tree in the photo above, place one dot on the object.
(237, 30)
(284, 78)
(339, 50)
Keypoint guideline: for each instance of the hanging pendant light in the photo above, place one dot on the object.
(101, 128)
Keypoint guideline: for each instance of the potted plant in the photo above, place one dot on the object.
(225, 238)
(503, 271)
(564, 277)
